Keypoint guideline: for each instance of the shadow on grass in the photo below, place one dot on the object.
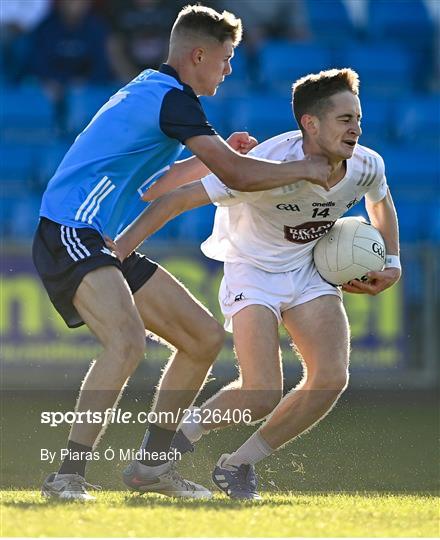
(218, 502)
(215, 503)
(152, 501)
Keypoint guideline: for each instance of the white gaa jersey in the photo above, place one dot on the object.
(276, 230)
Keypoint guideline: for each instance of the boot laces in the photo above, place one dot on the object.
(78, 484)
(176, 478)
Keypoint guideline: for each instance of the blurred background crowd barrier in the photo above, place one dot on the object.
(60, 60)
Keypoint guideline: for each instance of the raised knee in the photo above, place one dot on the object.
(261, 402)
(262, 409)
(339, 381)
(209, 344)
(332, 379)
(217, 338)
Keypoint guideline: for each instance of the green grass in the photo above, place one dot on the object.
(116, 514)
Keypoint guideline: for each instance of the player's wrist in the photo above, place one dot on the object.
(393, 261)
(303, 169)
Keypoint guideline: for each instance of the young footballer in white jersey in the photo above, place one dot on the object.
(266, 241)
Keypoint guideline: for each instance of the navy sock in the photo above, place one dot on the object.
(75, 461)
(157, 440)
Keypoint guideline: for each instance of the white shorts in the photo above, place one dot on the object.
(245, 285)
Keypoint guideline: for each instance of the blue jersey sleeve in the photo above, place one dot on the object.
(182, 116)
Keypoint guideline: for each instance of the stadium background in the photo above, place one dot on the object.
(61, 60)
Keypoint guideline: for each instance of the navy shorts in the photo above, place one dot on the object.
(64, 255)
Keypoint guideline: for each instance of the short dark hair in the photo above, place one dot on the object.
(207, 22)
(311, 93)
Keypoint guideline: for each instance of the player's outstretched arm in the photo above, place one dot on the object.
(191, 169)
(383, 216)
(244, 173)
(156, 215)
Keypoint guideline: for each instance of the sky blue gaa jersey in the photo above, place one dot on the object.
(132, 140)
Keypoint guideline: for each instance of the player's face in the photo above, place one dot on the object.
(339, 127)
(216, 65)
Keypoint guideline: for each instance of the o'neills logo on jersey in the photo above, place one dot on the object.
(307, 232)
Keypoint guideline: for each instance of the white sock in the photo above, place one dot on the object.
(250, 452)
(192, 427)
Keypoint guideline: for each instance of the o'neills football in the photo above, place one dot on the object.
(349, 250)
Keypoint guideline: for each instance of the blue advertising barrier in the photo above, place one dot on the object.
(34, 335)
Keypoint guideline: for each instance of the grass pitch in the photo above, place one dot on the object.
(116, 514)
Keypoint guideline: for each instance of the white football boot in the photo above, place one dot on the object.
(163, 479)
(67, 486)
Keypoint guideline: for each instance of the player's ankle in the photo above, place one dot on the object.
(252, 451)
(75, 460)
(156, 446)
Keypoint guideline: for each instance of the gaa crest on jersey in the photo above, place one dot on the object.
(307, 232)
(289, 207)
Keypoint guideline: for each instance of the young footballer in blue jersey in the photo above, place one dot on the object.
(96, 191)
